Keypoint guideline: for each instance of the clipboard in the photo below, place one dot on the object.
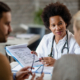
(22, 54)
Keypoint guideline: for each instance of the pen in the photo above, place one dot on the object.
(42, 69)
(38, 67)
(33, 61)
(39, 59)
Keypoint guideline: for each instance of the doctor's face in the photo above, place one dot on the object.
(5, 27)
(57, 26)
(76, 34)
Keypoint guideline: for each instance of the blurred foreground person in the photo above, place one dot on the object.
(76, 27)
(5, 29)
(68, 66)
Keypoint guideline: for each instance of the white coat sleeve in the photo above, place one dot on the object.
(40, 48)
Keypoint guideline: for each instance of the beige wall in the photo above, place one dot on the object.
(23, 10)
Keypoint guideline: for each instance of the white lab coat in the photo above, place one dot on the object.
(44, 48)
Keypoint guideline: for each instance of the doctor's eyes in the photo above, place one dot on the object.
(60, 23)
(53, 25)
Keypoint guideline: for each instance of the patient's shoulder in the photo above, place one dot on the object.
(3, 58)
(5, 69)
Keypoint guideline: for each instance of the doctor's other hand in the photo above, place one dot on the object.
(48, 61)
(33, 52)
(37, 78)
(23, 73)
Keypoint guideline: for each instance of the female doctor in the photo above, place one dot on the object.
(56, 17)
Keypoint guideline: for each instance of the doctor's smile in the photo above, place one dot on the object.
(59, 32)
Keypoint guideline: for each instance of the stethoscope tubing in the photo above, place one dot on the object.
(52, 55)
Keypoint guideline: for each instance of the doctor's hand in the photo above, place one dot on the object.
(33, 52)
(23, 73)
(48, 61)
(38, 78)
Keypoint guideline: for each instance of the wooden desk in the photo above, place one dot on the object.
(46, 76)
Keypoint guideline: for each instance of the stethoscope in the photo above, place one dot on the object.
(64, 46)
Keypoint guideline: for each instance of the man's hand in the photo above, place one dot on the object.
(33, 52)
(23, 73)
(48, 61)
(38, 78)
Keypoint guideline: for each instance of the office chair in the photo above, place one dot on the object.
(36, 30)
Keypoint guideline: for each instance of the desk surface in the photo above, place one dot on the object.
(46, 76)
(16, 41)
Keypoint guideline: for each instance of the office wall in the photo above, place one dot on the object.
(23, 10)
(73, 6)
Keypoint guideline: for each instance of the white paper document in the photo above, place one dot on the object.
(22, 54)
(46, 70)
(17, 68)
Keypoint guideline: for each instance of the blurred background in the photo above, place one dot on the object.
(26, 16)
(27, 12)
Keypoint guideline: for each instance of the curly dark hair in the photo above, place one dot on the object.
(54, 9)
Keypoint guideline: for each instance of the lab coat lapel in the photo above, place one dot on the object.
(50, 43)
(69, 38)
